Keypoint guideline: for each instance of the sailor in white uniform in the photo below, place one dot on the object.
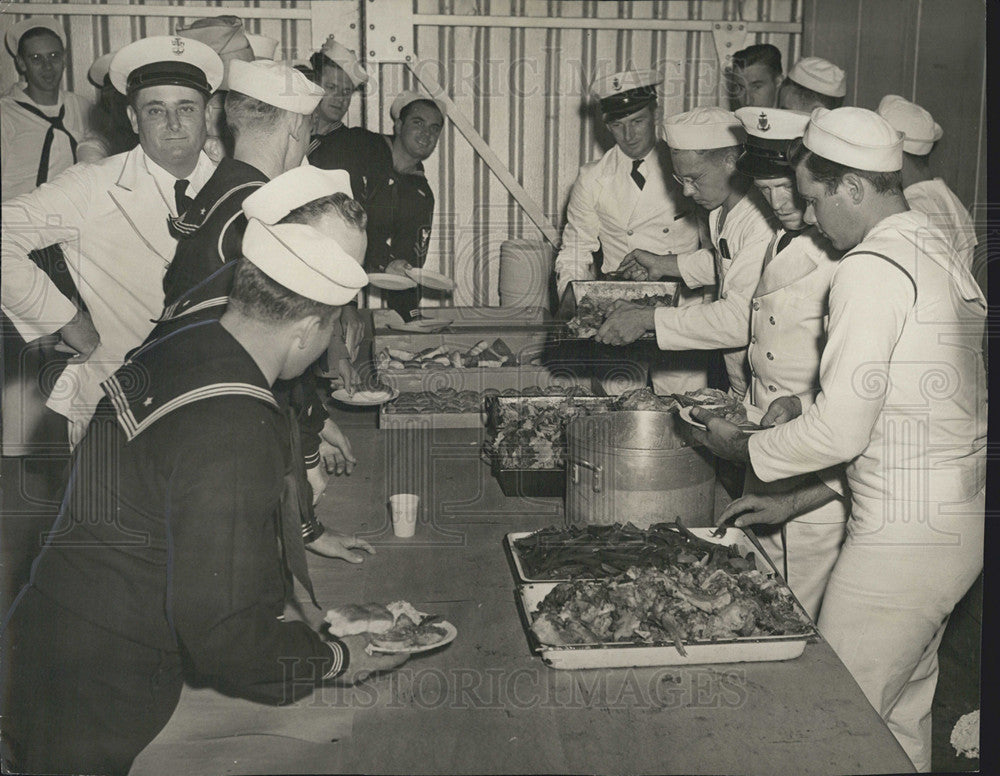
(903, 404)
(922, 190)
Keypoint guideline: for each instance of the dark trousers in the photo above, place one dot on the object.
(78, 698)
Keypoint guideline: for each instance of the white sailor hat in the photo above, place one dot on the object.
(855, 137)
(703, 128)
(920, 130)
(346, 60)
(293, 189)
(304, 260)
(275, 83)
(770, 133)
(99, 70)
(16, 31)
(820, 75)
(622, 94)
(405, 97)
(166, 59)
(225, 36)
(263, 47)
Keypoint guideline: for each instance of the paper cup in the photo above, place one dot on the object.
(404, 513)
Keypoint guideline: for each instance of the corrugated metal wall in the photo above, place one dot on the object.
(523, 88)
(930, 51)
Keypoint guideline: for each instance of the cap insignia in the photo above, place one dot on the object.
(177, 46)
(762, 124)
(616, 84)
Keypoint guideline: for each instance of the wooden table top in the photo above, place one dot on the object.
(485, 704)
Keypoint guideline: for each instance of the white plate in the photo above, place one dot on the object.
(450, 632)
(420, 326)
(430, 279)
(390, 282)
(754, 415)
(364, 398)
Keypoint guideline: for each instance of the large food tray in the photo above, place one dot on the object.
(609, 291)
(529, 595)
(473, 317)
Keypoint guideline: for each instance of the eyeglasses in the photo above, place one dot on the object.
(55, 57)
(692, 182)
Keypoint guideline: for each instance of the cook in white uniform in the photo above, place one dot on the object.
(626, 204)
(111, 218)
(903, 403)
(787, 335)
(704, 146)
(923, 191)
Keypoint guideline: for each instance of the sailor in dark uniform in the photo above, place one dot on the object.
(337, 70)
(320, 198)
(174, 543)
(387, 175)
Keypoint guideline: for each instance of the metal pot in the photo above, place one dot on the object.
(636, 467)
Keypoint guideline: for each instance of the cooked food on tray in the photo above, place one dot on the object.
(645, 399)
(696, 600)
(532, 434)
(396, 626)
(591, 312)
(443, 400)
(721, 404)
(443, 357)
(594, 551)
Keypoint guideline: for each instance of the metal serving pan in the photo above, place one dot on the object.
(529, 595)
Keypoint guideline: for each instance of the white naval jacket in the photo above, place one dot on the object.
(608, 210)
(947, 213)
(111, 220)
(725, 323)
(787, 336)
(903, 388)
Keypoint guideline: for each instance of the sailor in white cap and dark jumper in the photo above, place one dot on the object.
(787, 334)
(43, 128)
(923, 191)
(337, 70)
(322, 199)
(387, 175)
(813, 82)
(226, 37)
(704, 146)
(625, 204)
(903, 403)
(112, 218)
(173, 548)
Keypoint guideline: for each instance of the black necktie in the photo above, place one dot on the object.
(55, 122)
(182, 200)
(636, 175)
(783, 241)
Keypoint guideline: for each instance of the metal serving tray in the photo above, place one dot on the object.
(608, 291)
(529, 594)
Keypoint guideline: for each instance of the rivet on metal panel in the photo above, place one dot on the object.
(371, 53)
(729, 26)
(392, 38)
(407, 57)
(353, 25)
(399, 48)
(371, 26)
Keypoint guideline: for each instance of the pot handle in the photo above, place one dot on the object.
(597, 469)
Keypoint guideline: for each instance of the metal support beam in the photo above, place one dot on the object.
(270, 11)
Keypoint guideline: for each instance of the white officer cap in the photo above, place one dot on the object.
(99, 69)
(346, 60)
(920, 130)
(820, 75)
(225, 36)
(770, 133)
(405, 97)
(16, 32)
(702, 129)
(276, 84)
(166, 59)
(293, 189)
(304, 260)
(263, 47)
(855, 137)
(622, 94)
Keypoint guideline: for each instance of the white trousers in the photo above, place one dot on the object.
(885, 610)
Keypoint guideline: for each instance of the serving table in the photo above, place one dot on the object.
(485, 704)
